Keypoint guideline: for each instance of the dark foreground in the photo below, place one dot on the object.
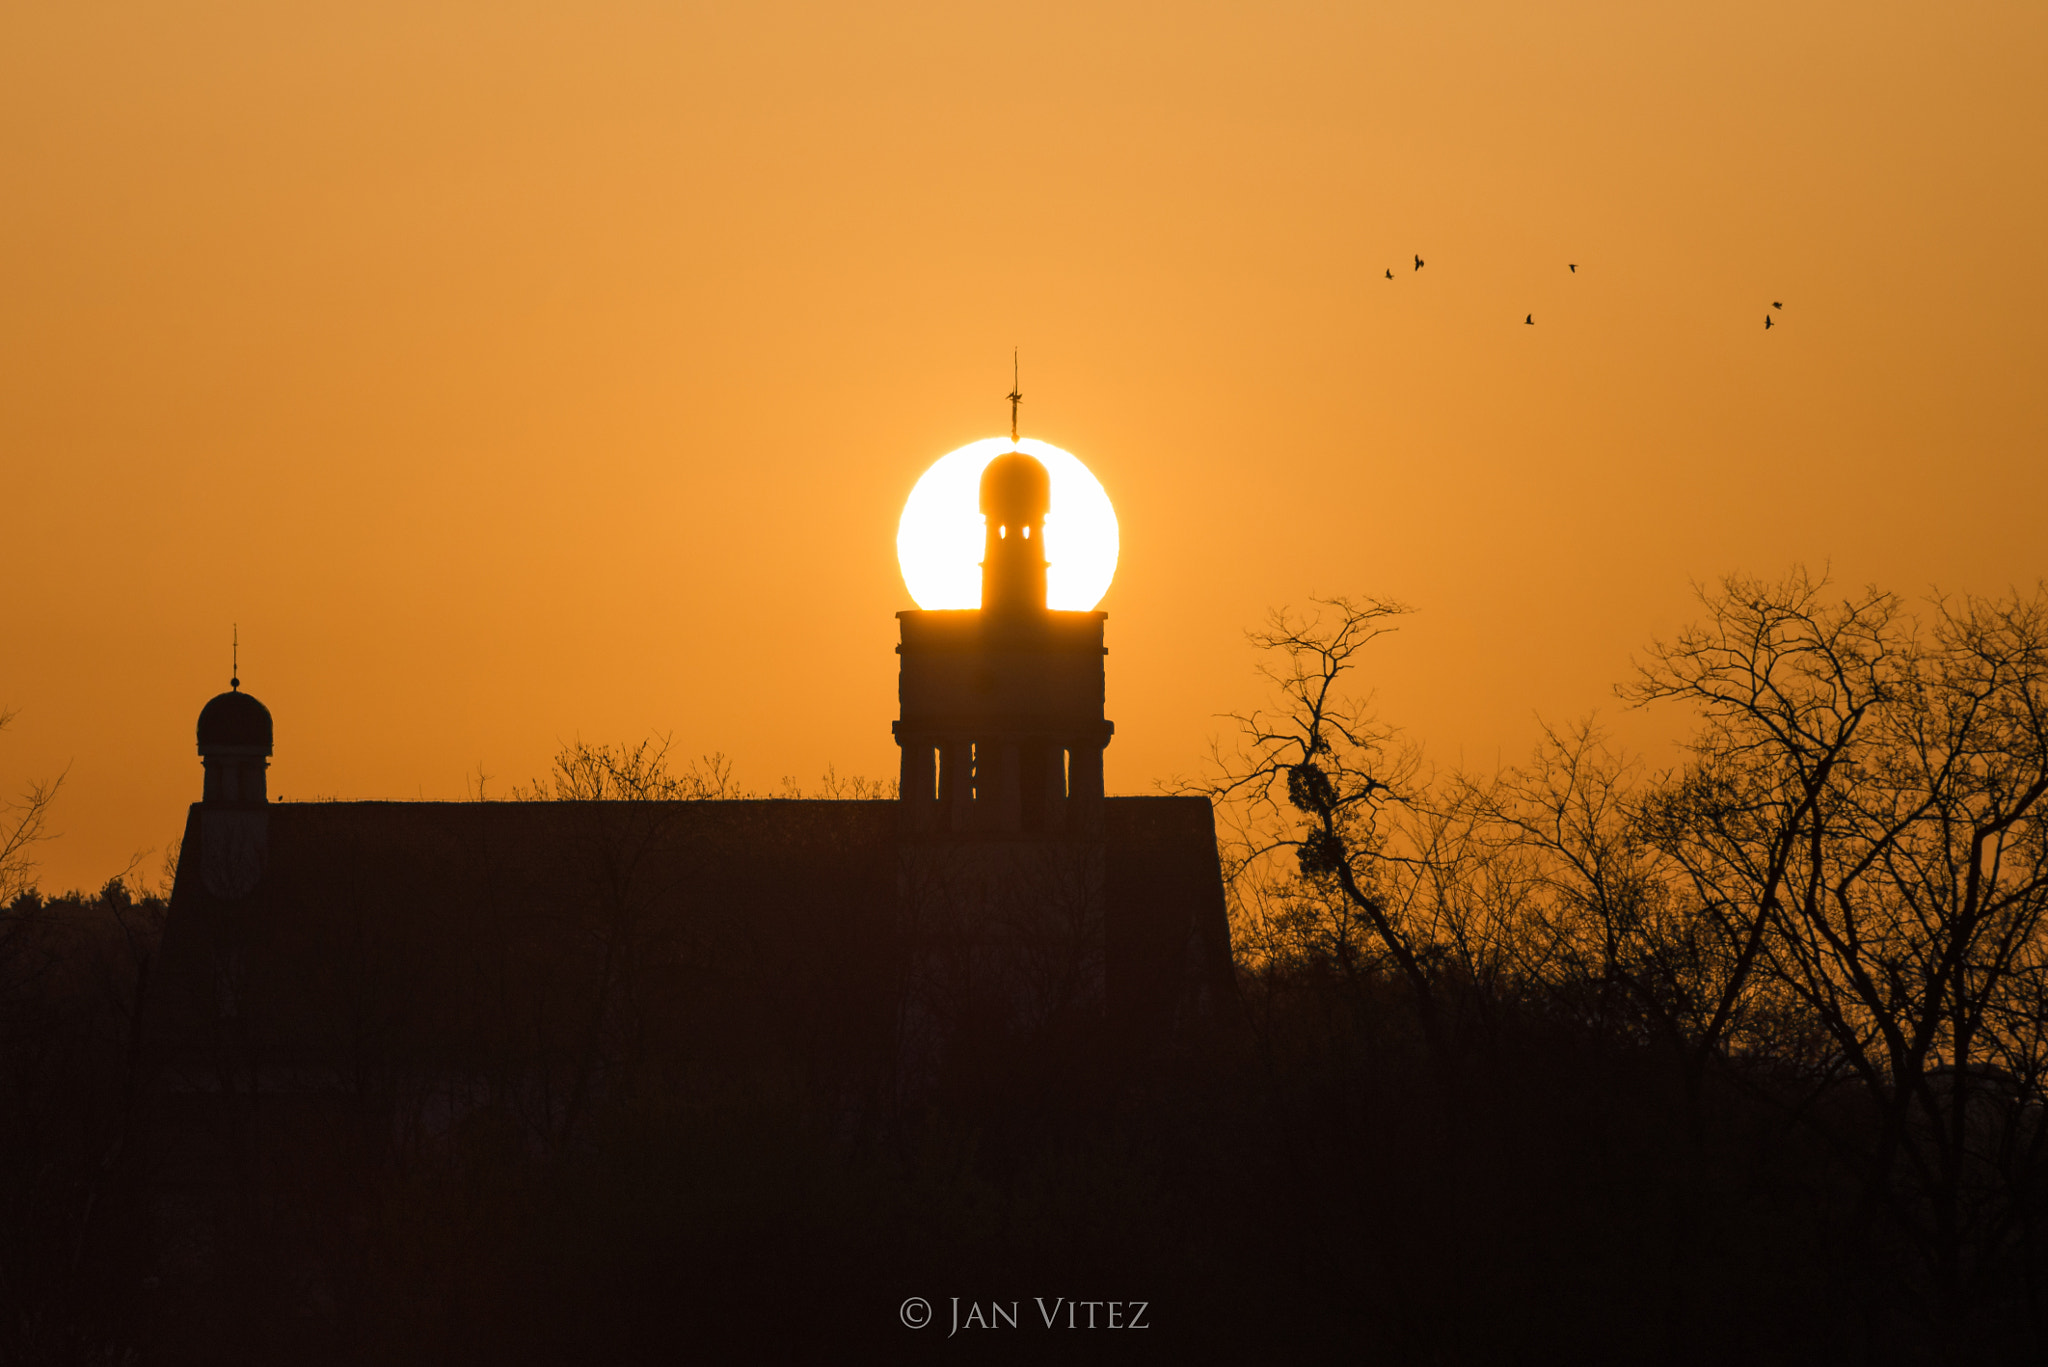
(1313, 1175)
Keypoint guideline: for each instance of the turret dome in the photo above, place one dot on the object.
(1016, 490)
(234, 722)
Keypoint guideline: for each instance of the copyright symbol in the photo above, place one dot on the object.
(916, 1313)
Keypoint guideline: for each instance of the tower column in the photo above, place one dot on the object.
(956, 785)
(917, 784)
(1084, 783)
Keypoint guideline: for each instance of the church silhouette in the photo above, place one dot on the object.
(440, 961)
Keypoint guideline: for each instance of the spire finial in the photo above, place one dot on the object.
(235, 668)
(1016, 395)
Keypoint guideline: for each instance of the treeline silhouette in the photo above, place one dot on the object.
(1736, 1060)
(1739, 1059)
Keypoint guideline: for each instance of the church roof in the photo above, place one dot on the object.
(463, 928)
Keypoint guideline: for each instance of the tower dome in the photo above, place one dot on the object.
(1016, 488)
(234, 719)
(235, 746)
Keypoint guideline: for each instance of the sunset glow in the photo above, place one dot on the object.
(1540, 852)
(939, 540)
(486, 363)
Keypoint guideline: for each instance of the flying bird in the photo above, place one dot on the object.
(1418, 263)
(1530, 320)
(1572, 266)
(1776, 305)
(1767, 322)
(1390, 275)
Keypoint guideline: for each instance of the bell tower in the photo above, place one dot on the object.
(1001, 719)
(1002, 822)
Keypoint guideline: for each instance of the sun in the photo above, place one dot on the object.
(939, 540)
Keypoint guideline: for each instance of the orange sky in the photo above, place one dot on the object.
(517, 372)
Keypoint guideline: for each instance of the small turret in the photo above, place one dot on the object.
(235, 745)
(1016, 494)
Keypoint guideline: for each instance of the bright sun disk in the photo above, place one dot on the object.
(939, 541)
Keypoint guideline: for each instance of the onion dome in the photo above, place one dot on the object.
(234, 723)
(1016, 490)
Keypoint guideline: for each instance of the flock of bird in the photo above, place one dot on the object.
(1573, 267)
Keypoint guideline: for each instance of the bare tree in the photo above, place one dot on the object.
(1598, 926)
(586, 772)
(1862, 824)
(1783, 682)
(24, 823)
(1317, 776)
(837, 787)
